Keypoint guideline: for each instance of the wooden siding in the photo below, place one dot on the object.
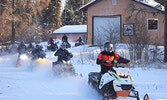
(105, 8)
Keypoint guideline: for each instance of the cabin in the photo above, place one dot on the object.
(124, 21)
(73, 32)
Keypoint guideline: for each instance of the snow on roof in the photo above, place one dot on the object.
(72, 29)
(87, 4)
(139, 1)
(149, 4)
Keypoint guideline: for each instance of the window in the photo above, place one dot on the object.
(152, 24)
(114, 2)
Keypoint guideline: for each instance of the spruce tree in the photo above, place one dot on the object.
(51, 15)
(71, 14)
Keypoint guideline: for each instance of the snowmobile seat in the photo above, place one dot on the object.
(126, 86)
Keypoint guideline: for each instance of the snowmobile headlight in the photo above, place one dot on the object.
(23, 56)
(30, 52)
(49, 44)
(40, 60)
(64, 62)
(68, 62)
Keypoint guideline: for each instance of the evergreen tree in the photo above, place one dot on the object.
(19, 19)
(71, 14)
(67, 17)
(51, 15)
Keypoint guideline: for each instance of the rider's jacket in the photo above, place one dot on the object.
(63, 54)
(21, 48)
(104, 57)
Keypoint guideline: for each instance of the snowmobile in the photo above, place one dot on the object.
(39, 56)
(22, 56)
(29, 52)
(63, 68)
(79, 43)
(123, 85)
(52, 46)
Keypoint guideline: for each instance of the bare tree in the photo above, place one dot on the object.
(164, 3)
(132, 9)
(140, 40)
(113, 33)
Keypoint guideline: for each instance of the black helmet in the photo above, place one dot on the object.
(108, 47)
(37, 46)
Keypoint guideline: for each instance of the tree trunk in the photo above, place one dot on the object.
(165, 34)
(13, 25)
(13, 32)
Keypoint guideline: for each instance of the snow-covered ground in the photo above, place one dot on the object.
(23, 83)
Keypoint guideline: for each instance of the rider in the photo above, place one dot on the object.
(37, 52)
(63, 54)
(64, 38)
(30, 47)
(51, 40)
(79, 40)
(22, 47)
(107, 58)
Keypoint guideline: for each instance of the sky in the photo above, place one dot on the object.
(63, 3)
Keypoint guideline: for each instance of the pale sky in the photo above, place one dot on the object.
(63, 3)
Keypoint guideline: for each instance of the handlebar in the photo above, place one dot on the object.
(117, 64)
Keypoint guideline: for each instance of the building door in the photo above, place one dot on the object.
(106, 29)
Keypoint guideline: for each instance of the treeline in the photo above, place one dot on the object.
(23, 20)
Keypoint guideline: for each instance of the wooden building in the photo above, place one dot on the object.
(125, 21)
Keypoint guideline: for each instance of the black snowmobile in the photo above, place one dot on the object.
(63, 66)
(52, 46)
(77, 43)
(29, 52)
(103, 84)
(38, 53)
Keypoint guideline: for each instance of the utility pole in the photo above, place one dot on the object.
(13, 23)
(165, 34)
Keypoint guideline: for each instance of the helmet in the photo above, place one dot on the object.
(37, 46)
(63, 45)
(108, 47)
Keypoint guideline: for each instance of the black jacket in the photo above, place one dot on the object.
(38, 53)
(63, 55)
(21, 48)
